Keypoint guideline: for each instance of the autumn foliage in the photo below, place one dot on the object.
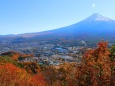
(97, 68)
(11, 75)
(16, 55)
(31, 67)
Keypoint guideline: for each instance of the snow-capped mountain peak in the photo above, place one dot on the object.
(98, 17)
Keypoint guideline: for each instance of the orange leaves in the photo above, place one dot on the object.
(38, 80)
(31, 67)
(102, 50)
(16, 55)
(103, 45)
(14, 76)
(95, 69)
(9, 74)
(96, 65)
(88, 57)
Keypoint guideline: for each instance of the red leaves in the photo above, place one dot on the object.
(14, 76)
(96, 66)
(9, 74)
(94, 70)
(38, 80)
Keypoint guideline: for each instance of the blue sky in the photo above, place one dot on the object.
(25, 16)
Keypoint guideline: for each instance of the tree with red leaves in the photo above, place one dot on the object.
(94, 69)
(10, 75)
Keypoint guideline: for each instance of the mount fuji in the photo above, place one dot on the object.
(94, 28)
